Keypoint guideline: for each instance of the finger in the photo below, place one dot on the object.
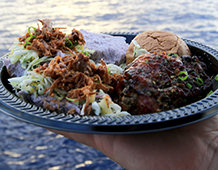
(87, 139)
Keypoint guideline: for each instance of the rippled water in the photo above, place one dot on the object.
(24, 146)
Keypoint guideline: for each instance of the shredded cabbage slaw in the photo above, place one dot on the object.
(38, 84)
(32, 82)
(138, 50)
(28, 58)
(106, 107)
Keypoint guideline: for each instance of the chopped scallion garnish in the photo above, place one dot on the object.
(216, 77)
(68, 43)
(27, 42)
(183, 78)
(172, 54)
(189, 85)
(210, 93)
(73, 100)
(108, 70)
(200, 81)
(31, 36)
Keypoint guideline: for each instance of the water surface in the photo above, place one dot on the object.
(24, 146)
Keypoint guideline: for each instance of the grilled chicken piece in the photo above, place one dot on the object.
(158, 82)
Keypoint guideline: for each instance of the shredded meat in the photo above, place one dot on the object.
(49, 40)
(79, 77)
(77, 36)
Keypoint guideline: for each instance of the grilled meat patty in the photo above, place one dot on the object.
(158, 82)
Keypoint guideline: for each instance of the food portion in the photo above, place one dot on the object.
(57, 72)
(158, 82)
(157, 41)
(48, 40)
(107, 47)
(85, 73)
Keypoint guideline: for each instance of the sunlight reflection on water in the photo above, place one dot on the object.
(23, 146)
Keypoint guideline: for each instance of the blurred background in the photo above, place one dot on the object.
(24, 146)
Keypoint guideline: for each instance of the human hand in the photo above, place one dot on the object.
(193, 147)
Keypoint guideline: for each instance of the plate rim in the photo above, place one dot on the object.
(105, 125)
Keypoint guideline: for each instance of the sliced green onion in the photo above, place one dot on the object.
(33, 36)
(68, 43)
(108, 70)
(171, 54)
(73, 100)
(27, 42)
(200, 81)
(189, 85)
(210, 93)
(216, 77)
(183, 78)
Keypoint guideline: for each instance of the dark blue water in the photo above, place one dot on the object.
(24, 146)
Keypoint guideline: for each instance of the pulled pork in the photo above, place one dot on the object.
(79, 77)
(48, 40)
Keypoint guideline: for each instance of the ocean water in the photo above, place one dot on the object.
(25, 146)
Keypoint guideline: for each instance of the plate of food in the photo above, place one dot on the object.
(108, 83)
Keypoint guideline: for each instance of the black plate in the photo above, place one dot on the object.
(198, 111)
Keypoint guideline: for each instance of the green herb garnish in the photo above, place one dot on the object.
(200, 81)
(216, 77)
(68, 43)
(73, 100)
(183, 78)
(172, 54)
(189, 85)
(210, 93)
(31, 36)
